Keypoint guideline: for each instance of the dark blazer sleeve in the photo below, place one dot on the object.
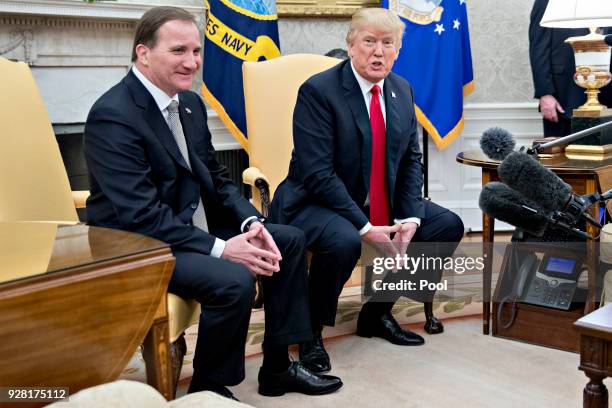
(408, 187)
(227, 193)
(114, 149)
(313, 139)
(540, 43)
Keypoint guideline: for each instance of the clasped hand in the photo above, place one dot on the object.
(380, 239)
(255, 250)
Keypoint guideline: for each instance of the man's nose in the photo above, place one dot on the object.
(378, 49)
(192, 61)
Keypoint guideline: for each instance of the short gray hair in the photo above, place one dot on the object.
(381, 18)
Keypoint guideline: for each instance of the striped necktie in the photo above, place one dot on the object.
(174, 121)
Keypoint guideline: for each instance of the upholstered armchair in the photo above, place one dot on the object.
(34, 185)
(270, 93)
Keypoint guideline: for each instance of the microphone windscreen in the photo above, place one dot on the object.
(526, 175)
(501, 202)
(497, 143)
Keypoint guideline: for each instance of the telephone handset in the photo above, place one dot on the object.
(524, 275)
(528, 264)
(549, 282)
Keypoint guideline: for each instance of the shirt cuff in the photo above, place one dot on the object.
(416, 220)
(218, 248)
(245, 221)
(365, 229)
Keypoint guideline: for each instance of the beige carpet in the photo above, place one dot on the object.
(460, 368)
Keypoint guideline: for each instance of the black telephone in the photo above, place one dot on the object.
(547, 280)
(554, 283)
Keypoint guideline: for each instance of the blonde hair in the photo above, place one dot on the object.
(380, 18)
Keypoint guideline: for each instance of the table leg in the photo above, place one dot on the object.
(595, 394)
(488, 227)
(157, 357)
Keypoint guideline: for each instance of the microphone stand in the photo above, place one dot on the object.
(538, 148)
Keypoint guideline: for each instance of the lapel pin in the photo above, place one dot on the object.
(392, 94)
(189, 110)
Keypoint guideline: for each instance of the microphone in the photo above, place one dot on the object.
(497, 143)
(608, 39)
(505, 204)
(501, 202)
(526, 175)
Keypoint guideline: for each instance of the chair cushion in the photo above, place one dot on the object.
(134, 394)
(182, 313)
(117, 394)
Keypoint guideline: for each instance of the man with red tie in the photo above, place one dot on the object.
(356, 176)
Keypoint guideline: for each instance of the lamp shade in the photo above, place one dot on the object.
(577, 13)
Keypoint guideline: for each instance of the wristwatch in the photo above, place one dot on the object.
(250, 222)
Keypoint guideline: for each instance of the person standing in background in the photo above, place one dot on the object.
(553, 68)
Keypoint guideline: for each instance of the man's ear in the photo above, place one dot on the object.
(142, 54)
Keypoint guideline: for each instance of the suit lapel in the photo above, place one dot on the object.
(392, 131)
(154, 118)
(352, 94)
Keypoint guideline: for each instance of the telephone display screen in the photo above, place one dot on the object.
(560, 265)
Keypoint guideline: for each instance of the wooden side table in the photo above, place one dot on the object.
(596, 354)
(584, 176)
(76, 303)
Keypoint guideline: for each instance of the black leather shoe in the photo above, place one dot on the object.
(297, 378)
(313, 355)
(433, 325)
(386, 327)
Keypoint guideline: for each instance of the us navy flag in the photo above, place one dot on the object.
(436, 59)
(236, 31)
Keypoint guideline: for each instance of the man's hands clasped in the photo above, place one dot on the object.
(255, 249)
(380, 239)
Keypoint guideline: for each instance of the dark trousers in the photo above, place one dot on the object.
(226, 290)
(561, 128)
(336, 247)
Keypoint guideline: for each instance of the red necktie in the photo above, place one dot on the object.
(379, 203)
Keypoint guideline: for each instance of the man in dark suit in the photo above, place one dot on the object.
(356, 176)
(553, 67)
(153, 171)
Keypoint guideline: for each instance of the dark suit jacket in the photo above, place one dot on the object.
(139, 180)
(552, 62)
(330, 165)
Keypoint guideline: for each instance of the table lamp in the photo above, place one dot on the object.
(591, 53)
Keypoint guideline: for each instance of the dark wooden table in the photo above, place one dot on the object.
(596, 354)
(77, 301)
(585, 177)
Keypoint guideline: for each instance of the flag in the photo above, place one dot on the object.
(436, 59)
(236, 31)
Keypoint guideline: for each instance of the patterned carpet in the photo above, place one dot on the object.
(465, 301)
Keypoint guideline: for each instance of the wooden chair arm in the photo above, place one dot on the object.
(255, 178)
